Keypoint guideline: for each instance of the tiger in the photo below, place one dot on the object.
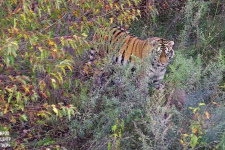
(128, 48)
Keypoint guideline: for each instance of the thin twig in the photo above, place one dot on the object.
(53, 23)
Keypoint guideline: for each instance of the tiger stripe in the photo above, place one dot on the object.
(128, 47)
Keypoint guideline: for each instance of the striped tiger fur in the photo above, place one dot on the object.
(128, 48)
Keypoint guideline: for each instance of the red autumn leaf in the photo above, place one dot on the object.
(195, 116)
(44, 95)
(216, 104)
(107, 7)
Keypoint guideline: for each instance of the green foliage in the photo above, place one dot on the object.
(185, 72)
(46, 142)
(117, 135)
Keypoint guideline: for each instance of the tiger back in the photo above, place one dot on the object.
(127, 48)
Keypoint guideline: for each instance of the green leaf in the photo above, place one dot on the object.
(24, 117)
(10, 97)
(46, 142)
(14, 22)
(69, 111)
(18, 96)
(109, 145)
(114, 128)
(84, 34)
(194, 141)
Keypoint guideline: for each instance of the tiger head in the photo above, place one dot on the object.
(162, 51)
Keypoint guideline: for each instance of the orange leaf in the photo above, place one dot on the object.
(18, 10)
(195, 116)
(85, 69)
(195, 130)
(149, 3)
(51, 43)
(105, 37)
(91, 23)
(75, 13)
(15, 30)
(207, 114)
(107, 7)
(116, 5)
(12, 120)
(215, 103)
(43, 94)
(26, 89)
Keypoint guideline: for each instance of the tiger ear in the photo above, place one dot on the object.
(171, 43)
(154, 43)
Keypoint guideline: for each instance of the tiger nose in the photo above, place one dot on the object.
(163, 63)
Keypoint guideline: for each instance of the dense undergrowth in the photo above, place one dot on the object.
(48, 99)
